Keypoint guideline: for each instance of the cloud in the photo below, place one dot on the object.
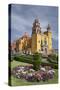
(22, 18)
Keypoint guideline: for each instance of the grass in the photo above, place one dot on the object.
(17, 63)
(21, 82)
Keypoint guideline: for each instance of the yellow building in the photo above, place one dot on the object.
(23, 44)
(41, 42)
(38, 42)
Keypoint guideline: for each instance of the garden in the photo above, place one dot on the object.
(33, 70)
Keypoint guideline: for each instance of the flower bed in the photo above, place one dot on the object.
(29, 74)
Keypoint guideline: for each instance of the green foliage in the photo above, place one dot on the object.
(23, 59)
(53, 58)
(36, 61)
(55, 66)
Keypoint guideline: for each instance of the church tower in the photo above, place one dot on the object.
(49, 33)
(36, 37)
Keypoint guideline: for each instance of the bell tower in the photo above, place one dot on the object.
(36, 37)
(49, 33)
(36, 29)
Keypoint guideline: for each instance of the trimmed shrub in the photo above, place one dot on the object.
(36, 61)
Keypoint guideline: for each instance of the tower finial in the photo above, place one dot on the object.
(48, 27)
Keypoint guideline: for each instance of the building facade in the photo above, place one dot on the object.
(38, 42)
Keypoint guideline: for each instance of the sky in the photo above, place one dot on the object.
(23, 16)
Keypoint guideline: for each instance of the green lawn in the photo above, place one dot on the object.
(17, 63)
(20, 82)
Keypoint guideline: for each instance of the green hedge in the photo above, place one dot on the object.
(32, 61)
(52, 61)
(53, 58)
(23, 59)
(55, 66)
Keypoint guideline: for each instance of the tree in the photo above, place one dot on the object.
(37, 61)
